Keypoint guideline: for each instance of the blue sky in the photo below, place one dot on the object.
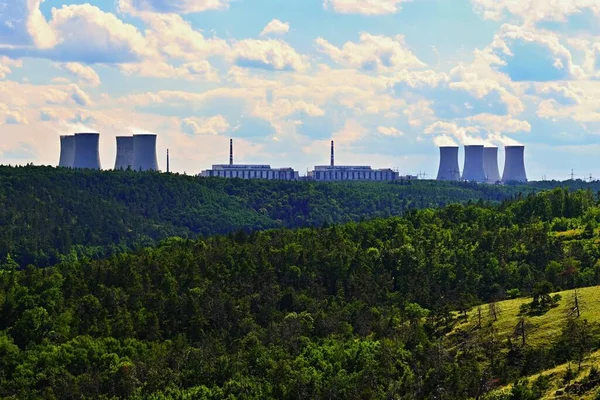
(389, 80)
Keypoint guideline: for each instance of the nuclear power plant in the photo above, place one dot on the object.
(87, 153)
(124, 159)
(490, 164)
(448, 170)
(514, 165)
(474, 170)
(67, 151)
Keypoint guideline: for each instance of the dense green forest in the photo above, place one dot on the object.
(362, 310)
(47, 213)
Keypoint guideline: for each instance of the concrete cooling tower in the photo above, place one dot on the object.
(448, 170)
(67, 151)
(490, 164)
(144, 153)
(474, 169)
(124, 158)
(87, 153)
(514, 166)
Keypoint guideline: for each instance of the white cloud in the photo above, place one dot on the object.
(12, 116)
(534, 10)
(365, 7)
(499, 123)
(172, 6)
(6, 65)
(372, 53)
(84, 73)
(205, 126)
(79, 96)
(389, 131)
(275, 55)
(275, 27)
(193, 71)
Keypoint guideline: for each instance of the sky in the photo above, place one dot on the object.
(388, 80)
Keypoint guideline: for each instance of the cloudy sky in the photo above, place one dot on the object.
(387, 79)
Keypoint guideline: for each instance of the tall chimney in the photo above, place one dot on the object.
(332, 155)
(514, 166)
(144, 152)
(67, 151)
(87, 154)
(168, 170)
(490, 164)
(474, 169)
(230, 151)
(448, 170)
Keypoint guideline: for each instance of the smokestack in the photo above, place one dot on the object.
(67, 151)
(168, 166)
(448, 170)
(490, 164)
(473, 169)
(87, 154)
(514, 165)
(144, 152)
(230, 151)
(332, 155)
(124, 158)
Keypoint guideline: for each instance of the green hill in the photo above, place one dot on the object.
(47, 213)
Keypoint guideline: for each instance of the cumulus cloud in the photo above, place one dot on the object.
(100, 36)
(271, 54)
(371, 53)
(79, 96)
(205, 126)
(11, 116)
(172, 6)
(529, 55)
(464, 134)
(6, 65)
(275, 27)
(365, 7)
(193, 71)
(563, 93)
(84, 73)
(389, 131)
(498, 124)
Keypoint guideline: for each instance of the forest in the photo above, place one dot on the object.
(339, 310)
(47, 214)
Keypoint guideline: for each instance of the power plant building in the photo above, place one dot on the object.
(514, 165)
(124, 159)
(490, 164)
(144, 152)
(474, 169)
(249, 171)
(448, 169)
(67, 151)
(87, 153)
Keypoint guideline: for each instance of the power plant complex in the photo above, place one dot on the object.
(138, 153)
(481, 164)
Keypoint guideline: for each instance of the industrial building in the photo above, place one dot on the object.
(474, 170)
(514, 165)
(334, 172)
(87, 154)
(124, 159)
(448, 169)
(490, 164)
(249, 171)
(67, 151)
(144, 152)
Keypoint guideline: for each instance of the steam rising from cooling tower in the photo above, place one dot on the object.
(144, 152)
(514, 166)
(87, 151)
(67, 151)
(124, 159)
(474, 169)
(490, 164)
(448, 170)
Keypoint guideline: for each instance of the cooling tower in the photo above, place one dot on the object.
(144, 153)
(124, 158)
(514, 165)
(490, 164)
(448, 170)
(473, 169)
(67, 151)
(87, 154)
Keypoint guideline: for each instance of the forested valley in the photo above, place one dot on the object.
(339, 309)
